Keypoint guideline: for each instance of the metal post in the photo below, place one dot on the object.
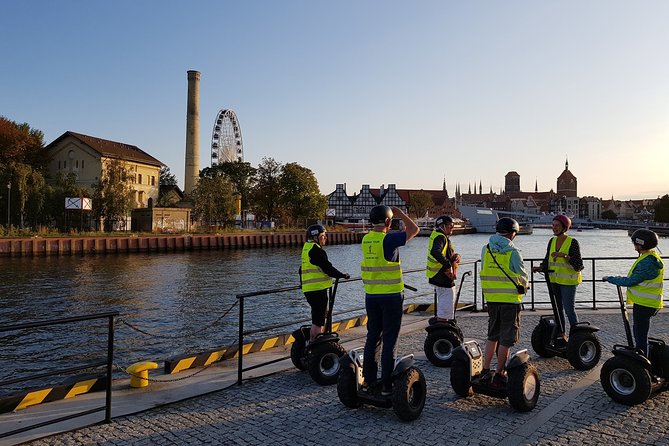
(240, 348)
(594, 300)
(9, 202)
(110, 360)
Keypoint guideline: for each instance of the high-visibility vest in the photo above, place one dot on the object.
(495, 285)
(313, 278)
(649, 292)
(379, 276)
(561, 272)
(433, 266)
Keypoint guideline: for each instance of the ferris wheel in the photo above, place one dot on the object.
(226, 139)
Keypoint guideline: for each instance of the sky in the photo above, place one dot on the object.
(371, 92)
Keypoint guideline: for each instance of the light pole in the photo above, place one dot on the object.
(9, 201)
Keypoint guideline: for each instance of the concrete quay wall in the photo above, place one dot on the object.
(46, 246)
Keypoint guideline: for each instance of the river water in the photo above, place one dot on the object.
(181, 299)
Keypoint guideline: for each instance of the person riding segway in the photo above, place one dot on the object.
(641, 367)
(504, 282)
(312, 349)
(402, 385)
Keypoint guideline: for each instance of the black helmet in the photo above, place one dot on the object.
(507, 225)
(379, 214)
(443, 220)
(645, 238)
(314, 230)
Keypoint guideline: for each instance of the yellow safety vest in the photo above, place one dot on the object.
(495, 285)
(379, 276)
(649, 292)
(313, 278)
(561, 271)
(433, 266)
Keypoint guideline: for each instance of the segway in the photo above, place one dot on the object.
(320, 357)
(443, 336)
(582, 349)
(522, 387)
(409, 389)
(629, 377)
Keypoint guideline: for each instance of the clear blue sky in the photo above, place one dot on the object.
(361, 92)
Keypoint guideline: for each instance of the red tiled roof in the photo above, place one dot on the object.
(111, 149)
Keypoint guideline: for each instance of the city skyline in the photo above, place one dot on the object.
(361, 93)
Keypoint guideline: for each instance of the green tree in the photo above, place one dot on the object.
(420, 202)
(113, 195)
(214, 202)
(266, 194)
(301, 199)
(661, 207)
(241, 174)
(167, 178)
(609, 215)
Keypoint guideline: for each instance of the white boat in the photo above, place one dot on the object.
(485, 219)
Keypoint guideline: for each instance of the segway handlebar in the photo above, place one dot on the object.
(408, 287)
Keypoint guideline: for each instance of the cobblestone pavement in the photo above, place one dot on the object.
(289, 408)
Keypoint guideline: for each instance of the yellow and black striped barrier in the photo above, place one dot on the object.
(69, 389)
(185, 362)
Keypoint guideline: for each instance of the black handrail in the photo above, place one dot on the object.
(108, 363)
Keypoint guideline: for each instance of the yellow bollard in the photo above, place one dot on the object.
(139, 373)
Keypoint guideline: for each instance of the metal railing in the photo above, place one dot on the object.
(107, 362)
(242, 333)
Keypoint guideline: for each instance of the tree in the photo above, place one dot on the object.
(65, 186)
(21, 144)
(167, 178)
(301, 198)
(661, 207)
(213, 201)
(420, 203)
(609, 215)
(266, 194)
(113, 196)
(242, 176)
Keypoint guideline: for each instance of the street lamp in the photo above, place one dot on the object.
(9, 201)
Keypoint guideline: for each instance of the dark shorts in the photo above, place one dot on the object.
(318, 300)
(504, 323)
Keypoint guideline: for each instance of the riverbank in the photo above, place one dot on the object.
(49, 246)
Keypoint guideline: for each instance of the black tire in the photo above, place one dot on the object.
(347, 387)
(523, 387)
(625, 380)
(409, 392)
(324, 362)
(461, 379)
(583, 350)
(439, 345)
(297, 351)
(541, 337)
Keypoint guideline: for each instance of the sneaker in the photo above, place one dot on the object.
(498, 381)
(365, 388)
(485, 376)
(386, 390)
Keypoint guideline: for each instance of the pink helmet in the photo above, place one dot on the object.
(564, 221)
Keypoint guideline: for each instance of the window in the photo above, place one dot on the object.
(139, 178)
(153, 180)
(82, 164)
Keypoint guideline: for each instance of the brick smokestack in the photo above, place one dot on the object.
(192, 133)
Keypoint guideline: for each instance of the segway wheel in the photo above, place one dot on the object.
(583, 350)
(461, 379)
(523, 387)
(297, 351)
(625, 380)
(324, 362)
(541, 337)
(409, 392)
(347, 386)
(439, 345)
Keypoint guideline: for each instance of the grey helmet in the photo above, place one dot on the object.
(314, 230)
(379, 214)
(443, 220)
(507, 225)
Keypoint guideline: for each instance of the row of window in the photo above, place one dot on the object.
(150, 180)
(75, 164)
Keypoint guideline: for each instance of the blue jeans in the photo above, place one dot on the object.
(641, 316)
(384, 319)
(564, 298)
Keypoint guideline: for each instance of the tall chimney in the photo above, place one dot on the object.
(192, 133)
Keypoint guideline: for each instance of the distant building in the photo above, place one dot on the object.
(86, 157)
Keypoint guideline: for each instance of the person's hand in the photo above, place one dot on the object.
(347, 276)
(605, 279)
(558, 254)
(455, 258)
(536, 269)
(449, 273)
